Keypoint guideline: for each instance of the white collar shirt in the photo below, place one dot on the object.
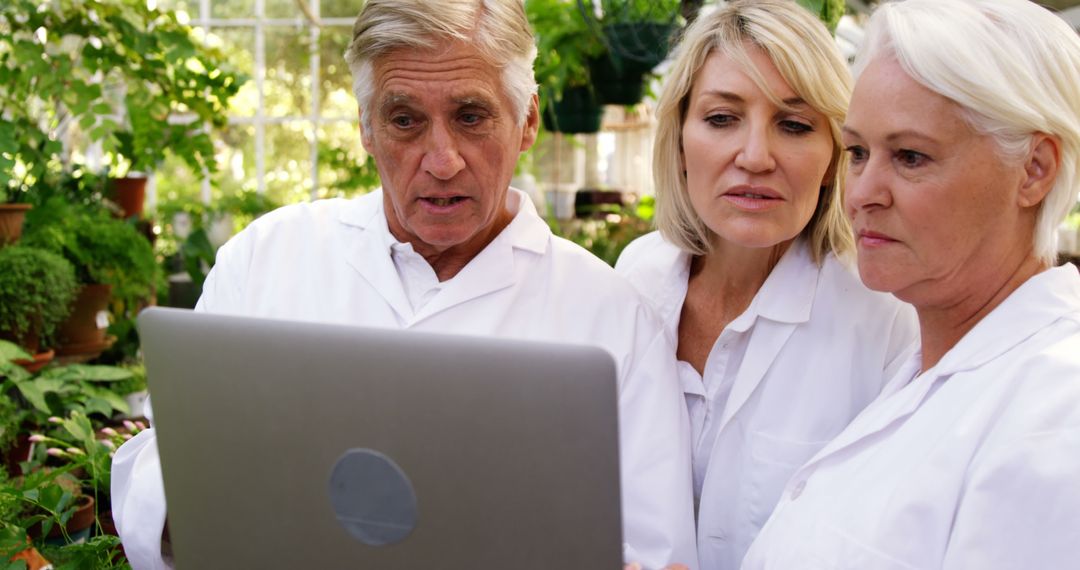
(974, 463)
(810, 351)
(333, 261)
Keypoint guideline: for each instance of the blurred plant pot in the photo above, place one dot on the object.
(88, 319)
(77, 527)
(20, 451)
(577, 112)
(129, 193)
(82, 336)
(11, 222)
(38, 362)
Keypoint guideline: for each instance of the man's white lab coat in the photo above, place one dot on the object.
(814, 347)
(973, 464)
(330, 262)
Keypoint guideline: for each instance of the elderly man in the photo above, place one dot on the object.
(447, 103)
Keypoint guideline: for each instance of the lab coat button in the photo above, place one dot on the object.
(797, 490)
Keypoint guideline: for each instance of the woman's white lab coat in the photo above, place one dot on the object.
(816, 347)
(973, 464)
(329, 261)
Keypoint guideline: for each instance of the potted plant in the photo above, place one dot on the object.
(119, 72)
(36, 290)
(112, 261)
(11, 218)
(564, 46)
(637, 36)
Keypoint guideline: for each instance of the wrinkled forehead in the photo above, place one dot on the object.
(451, 72)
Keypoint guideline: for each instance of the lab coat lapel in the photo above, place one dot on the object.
(367, 251)
(766, 341)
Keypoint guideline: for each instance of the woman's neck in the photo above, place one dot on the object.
(942, 325)
(721, 286)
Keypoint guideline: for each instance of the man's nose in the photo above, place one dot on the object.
(756, 154)
(442, 157)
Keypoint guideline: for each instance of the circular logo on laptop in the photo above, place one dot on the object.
(372, 497)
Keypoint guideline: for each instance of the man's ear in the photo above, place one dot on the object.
(365, 137)
(532, 124)
(1041, 169)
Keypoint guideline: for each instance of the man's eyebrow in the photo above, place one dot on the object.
(475, 100)
(391, 100)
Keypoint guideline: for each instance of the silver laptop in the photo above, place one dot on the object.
(297, 445)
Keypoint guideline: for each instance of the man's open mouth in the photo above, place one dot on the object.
(443, 202)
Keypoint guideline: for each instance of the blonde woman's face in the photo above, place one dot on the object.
(754, 170)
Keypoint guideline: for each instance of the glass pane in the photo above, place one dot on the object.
(223, 9)
(238, 44)
(235, 152)
(288, 72)
(344, 167)
(340, 8)
(335, 88)
(283, 9)
(288, 162)
(176, 182)
(189, 7)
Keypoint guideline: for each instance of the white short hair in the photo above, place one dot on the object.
(499, 29)
(1014, 68)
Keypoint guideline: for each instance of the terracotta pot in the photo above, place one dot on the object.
(83, 326)
(11, 222)
(37, 362)
(130, 194)
(77, 527)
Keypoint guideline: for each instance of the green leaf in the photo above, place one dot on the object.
(10, 351)
(34, 390)
(95, 373)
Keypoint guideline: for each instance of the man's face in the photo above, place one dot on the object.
(445, 138)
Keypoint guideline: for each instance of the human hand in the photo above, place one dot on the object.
(636, 566)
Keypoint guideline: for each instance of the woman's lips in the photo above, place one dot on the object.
(753, 198)
(869, 238)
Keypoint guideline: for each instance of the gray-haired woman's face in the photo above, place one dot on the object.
(934, 207)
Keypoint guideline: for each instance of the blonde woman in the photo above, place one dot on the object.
(779, 344)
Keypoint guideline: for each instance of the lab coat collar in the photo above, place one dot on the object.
(1037, 303)
(491, 270)
(787, 296)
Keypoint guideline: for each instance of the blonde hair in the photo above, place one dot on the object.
(498, 29)
(807, 58)
(1011, 65)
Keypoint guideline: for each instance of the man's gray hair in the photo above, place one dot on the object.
(498, 29)
(1011, 65)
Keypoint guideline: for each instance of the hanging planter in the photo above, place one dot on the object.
(620, 74)
(577, 112)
